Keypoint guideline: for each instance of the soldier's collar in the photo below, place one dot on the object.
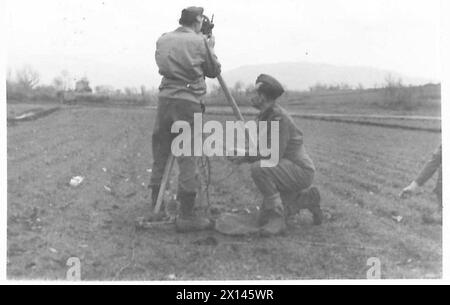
(185, 30)
(266, 113)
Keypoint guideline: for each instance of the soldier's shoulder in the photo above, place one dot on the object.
(168, 34)
(163, 37)
(182, 37)
(278, 113)
(197, 38)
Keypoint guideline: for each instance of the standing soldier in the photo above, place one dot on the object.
(286, 187)
(432, 166)
(184, 58)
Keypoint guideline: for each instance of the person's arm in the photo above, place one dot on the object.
(283, 140)
(426, 173)
(430, 167)
(284, 136)
(211, 66)
(410, 189)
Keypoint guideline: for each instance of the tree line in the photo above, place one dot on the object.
(25, 85)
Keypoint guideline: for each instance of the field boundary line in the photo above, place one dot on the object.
(32, 115)
(342, 119)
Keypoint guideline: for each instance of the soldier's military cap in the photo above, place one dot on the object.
(189, 14)
(269, 86)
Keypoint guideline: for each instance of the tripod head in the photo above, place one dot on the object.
(207, 26)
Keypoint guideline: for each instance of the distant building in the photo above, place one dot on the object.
(82, 86)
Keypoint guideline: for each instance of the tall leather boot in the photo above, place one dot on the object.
(188, 220)
(271, 218)
(310, 199)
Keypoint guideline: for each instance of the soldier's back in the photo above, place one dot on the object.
(179, 55)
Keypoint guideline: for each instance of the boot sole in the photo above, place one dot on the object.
(267, 233)
(188, 229)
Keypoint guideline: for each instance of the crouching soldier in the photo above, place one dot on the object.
(286, 187)
(184, 57)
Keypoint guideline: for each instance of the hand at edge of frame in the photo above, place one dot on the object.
(409, 190)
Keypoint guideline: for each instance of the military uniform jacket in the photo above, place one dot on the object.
(184, 59)
(290, 137)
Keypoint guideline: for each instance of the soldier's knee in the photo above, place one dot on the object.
(256, 170)
(189, 185)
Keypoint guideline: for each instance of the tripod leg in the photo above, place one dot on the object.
(165, 179)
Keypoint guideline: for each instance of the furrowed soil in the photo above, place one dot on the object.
(360, 171)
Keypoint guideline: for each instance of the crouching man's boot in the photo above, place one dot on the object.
(187, 220)
(310, 199)
(271, 218)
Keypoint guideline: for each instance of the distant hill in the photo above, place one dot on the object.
(300, 76)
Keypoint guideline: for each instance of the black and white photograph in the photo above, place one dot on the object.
(223, 141)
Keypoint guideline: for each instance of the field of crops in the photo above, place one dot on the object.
(360, 171)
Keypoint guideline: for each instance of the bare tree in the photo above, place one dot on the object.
(215, 90)
(9, 81)
(105, 89)
(344, 86)
(9, 75)
(62, 82)
(130, 91)
(391, 82)
(249, 89)
(238, 86)
(58, 83)
(67, 80)
(27, 77)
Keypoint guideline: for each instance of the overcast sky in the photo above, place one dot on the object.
(113, 42)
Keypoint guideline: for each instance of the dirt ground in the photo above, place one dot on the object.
(361, 169)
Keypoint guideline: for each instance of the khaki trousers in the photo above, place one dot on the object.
(168, 112)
